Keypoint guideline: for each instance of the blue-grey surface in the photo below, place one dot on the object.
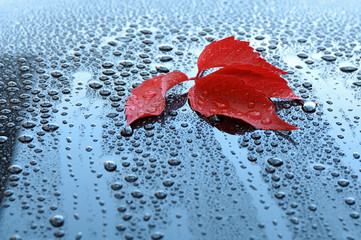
(180, 175)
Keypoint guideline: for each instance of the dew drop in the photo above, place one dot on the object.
(50, 127)
(266, 121)
(174, 162)
(160, 194)
(25, 138)
(137, 194)
(15, 169)
(329, 58)
(127, 131)
(350, 201)
(57, 220)
(343, 182)
(348, 69)
(254, 114)
(3, 139)
(276, 162)
(309, 106)
(110, 166)
(56, 74)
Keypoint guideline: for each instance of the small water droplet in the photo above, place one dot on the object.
(57, 74)
(276, 162)
(350, 201)
(174, 162)
(355, 215)
(127, 131)
(131, 178)
(165, 47)
(110, 166)
(57, 220)
(116, 186)
(343, 182)
(254, 114)
(266, 121)
(348, 69)
(15, 169)
(329, 58)
(280, 195)
(3, 139)
(160, 194)
(157, 236)
(319, 167)
(168, 183)
(50, 127)
(309, 106)
(137, 194)
(25, 138)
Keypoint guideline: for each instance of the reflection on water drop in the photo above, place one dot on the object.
(160, 194)
(15, 169)
(350, 201)
(137, 194)
(174, 162)
(348, 69)
(57, 220)
(3, 139)
(276, 162)
(309, 106)
(157, 236)
(343, 182)
(329, 58)
(50, 127)
(110, 166)
(127, 131)
(56, 74)
(25, 138)
(355, 215)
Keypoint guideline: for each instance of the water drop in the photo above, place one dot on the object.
(137, 194)
(174, 162)
(348, 69)
(276, 162)
(309, 106)
(15, 169)
(160, 194)
(329, 58)
(50, 127)
(3, 139)
(25, 138)
(110, 166)
(56, 74)
(343, 182)
(57, 220)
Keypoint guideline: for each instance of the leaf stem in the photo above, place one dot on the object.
(199, 74)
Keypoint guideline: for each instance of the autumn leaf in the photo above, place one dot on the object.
(232, 52)
(241, 89)
(229, 95)
(149, 98)
(265, 81)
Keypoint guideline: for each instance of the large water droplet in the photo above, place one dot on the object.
(276, 162)
(348, 69)
(309, 106)
(110, 166)
(57, 220)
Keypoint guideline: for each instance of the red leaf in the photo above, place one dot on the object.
(228, 52)
(148, 99)
(241, 89)
(262, 79)
(231, 96)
